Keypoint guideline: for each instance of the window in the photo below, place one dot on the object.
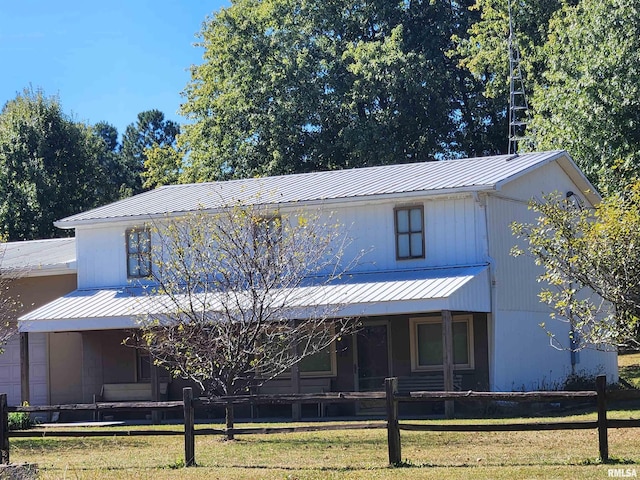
(322, 363)
(426, 343)
(138, 253)
(409, 232)
(267, 231)
(265, 237)
(143, 370)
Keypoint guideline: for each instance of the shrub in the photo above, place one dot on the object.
(20, 420)
(580, 381)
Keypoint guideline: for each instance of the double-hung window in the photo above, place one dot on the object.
(266, 234)
(426, 343)
(320, 364)
(138, 253)
(409, 223)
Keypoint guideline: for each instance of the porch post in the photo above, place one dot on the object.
(155, 391)
(24, 367)
(296, 408)
(447, 359)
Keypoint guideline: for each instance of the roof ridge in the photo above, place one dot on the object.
(354, 169)
(383, 181)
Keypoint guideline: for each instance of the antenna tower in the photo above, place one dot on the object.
(518, 106)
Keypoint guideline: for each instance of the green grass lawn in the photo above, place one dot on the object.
(352, 454)
(338, 455)
(629, 368)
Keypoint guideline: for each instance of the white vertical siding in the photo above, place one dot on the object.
(451, 226)
(101, 256)
(521, 356)
(450, 233)
(516, 276)
(10, 370)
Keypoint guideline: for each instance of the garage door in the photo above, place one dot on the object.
(10, 370)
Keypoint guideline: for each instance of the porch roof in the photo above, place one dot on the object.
(36, 258)
(464, 288)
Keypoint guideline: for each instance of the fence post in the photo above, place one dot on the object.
(4, 430)
(393, 430)
(603, 441)
(189, 434)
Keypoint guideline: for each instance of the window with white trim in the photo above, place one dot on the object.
(409, 225)
(267, 233)
(138, 253)
(426, 342)
(320, 364)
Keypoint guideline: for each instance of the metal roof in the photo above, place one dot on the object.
(482, 173)
(400, 292)
(31, 258)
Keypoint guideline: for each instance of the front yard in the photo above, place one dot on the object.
(350, 454)
(340, 455)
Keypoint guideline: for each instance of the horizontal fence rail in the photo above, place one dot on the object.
(392, 399)
(290, 398)
(302, 428)
(99, 406)
(599, 397)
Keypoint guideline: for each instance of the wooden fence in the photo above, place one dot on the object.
(393, 424)
(600, 396)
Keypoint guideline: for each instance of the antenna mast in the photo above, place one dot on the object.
(518, 106)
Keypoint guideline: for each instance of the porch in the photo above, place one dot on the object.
(410, 347)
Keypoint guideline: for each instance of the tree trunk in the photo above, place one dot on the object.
(229, 420)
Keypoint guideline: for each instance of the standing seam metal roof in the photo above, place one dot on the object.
(359, 291)
(32, 256)
(463, 174)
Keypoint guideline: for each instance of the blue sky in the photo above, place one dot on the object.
(105, 60)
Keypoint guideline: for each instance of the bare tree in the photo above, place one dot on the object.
(9, 303)
(243, 294)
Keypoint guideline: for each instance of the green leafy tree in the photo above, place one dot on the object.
(589, 101)
(483, 49)
(118, 181)
(291, 86)
(49, 167)
(580, 59)
(162, 166)
(590, 266)
(151, 129)
(109, 134)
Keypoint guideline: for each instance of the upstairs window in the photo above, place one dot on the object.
(409, 232)
(266, 233)
(138, 253)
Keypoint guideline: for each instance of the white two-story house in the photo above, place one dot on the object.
(438, 239)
